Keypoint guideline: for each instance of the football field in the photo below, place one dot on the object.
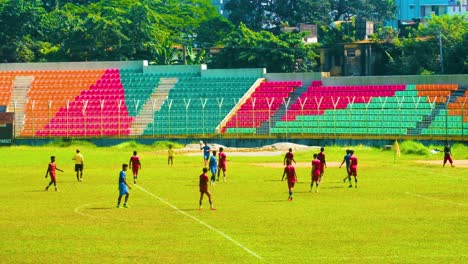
(408, 210)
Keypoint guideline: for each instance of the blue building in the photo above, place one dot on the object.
(219, 4)
(419, 9)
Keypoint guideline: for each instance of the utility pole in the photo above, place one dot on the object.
(441, 53)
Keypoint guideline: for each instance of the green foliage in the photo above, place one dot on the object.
(419, 53)
(413, 148)
(65, 143)
(164, 145)
(283, 53)
(130, 145)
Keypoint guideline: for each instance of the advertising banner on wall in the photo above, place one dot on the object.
(6, 128)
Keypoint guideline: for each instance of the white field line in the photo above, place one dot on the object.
(78, 211)
(387, 257)
(200, 222)
(435, 199)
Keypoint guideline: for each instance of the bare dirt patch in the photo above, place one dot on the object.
(299, 164)
(269, 150)
(457, 163)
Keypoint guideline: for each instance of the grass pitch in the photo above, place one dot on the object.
(403, 212)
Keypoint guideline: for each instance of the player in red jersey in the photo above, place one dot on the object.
(323, 163)
(204, 189)
(315, 173)
(447, 154)
(222, 163)
(290, 171)
(51, 170)
(135, 163)
(352, 168)
(289, 156)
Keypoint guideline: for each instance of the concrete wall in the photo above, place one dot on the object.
(460, 79)
(247, 72)
(238, 143)
(71, 65)
(194, 69)
(306, 77)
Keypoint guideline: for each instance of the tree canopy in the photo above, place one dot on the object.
(185, 31)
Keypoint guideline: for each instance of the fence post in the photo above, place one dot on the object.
(351, 103)
(102, 121)
(302, 111)
(286, 106)
(66, 126)
(49, 105)
(83, 111)
(318, 103)
(203, 104)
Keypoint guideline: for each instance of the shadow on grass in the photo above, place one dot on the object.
(101, 208)
(191, 209)
(272, 201)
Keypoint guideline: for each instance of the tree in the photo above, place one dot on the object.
(22, 31)
(420, 52)
(256, 15)
(245, 48)
(293, 12)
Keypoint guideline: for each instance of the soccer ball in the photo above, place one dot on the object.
(201, 142)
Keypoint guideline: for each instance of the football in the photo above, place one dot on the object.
(201, 142)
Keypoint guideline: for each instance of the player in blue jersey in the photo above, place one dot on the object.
(123, 186)
(346, 159)
(213, 167)
(206, 151)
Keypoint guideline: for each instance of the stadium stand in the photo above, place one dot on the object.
(377, 110)
(182, 101)
(99, 109)
(196, 105)
(260, 106)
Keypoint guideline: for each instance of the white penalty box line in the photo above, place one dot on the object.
(200, 222)
(435, 199)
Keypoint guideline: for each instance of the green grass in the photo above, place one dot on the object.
(403, 212)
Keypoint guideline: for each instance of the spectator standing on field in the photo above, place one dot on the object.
(447, 154)
(170, 156)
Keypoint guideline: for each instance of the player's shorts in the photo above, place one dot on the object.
(222, 167)
(206, 157)
(316, 175)
(213, 170)
(78, 167)
(291, 184)
(448, 158)
(203, 189)
(53, 177)
(135, 170)
(123, 189)
(322, 168)
(353, 171)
